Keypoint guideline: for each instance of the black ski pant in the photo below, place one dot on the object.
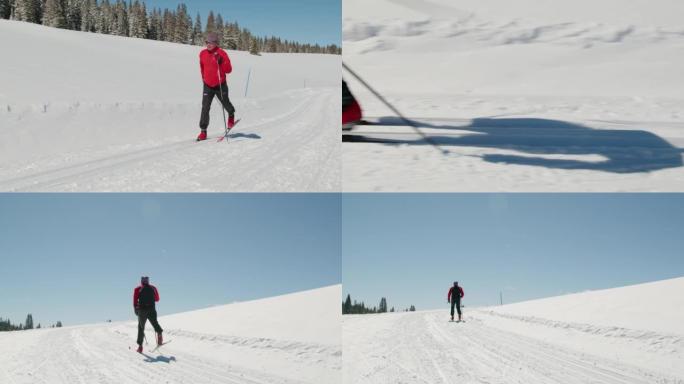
(143, 315)
(457, 304)
(221, 92)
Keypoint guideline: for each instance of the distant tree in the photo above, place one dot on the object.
(38, 327)
(59, 324)
(183, 25)
(6, 9)
(197, 36)
(382, 308)
(28, 10)
(53, 16)
(211, 22)
(347, 305)
(392, 309)
(412, 309)
(29, 322)
(254, 47)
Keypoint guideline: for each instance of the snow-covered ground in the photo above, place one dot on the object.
(624, 335)
(89, 112)
(526, 95)
(286, 339)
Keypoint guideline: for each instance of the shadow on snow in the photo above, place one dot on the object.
(625, 151)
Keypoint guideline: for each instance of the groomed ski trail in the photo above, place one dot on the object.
(295, 150)
(425, 347)
(101, 354)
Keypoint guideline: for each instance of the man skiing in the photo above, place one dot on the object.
(144, 297)
(351, 110)
(214, 65)
(454, 297)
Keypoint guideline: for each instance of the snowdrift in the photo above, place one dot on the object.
(89, 112)
(293, 338)
(529, 95)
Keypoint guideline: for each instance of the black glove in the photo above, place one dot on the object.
(219, 59)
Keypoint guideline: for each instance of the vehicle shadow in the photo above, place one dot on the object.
(621, 151)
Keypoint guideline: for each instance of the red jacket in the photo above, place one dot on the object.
(210, 68)
(136, 294)
(451, 290)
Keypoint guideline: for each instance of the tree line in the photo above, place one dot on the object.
(349, 308)
(6, 324)
(133, 19)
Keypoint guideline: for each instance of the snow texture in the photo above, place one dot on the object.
(531, 95)
(89, 112)
(289, 339)
(624, 335)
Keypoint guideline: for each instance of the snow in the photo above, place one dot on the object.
(293, 338)
(531, 95)
(623, 335)
(89, 112)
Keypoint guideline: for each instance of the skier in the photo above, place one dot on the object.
(214, 65)
(144, 297)
(454, 297)
(351, 110)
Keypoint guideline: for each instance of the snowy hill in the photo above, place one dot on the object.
(89, 112)
(292, 338)
(624, 335)
(531, 95)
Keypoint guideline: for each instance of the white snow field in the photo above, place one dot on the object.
(624, 335)
(287, 339)
(525, 95)
(88, 112)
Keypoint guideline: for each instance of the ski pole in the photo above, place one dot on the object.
(223, 109)
(408, 122)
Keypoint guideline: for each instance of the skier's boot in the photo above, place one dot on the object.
(459, 317)
(231, 121)
(139, 350)
(202, 135)
(452, 318)
(160, 340)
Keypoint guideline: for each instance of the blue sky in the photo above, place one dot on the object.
(410, 248)
(78, 257)
(305, 21)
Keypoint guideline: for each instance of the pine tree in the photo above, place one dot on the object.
(197, 37)
(6, 9)
(211, 22)
(28, 10)
(59, 324)
(412, 309)
(382, 308)
(347, 306)
(183, 25)
(73, 15)
(29, 322)
(254, 47)
(54, 14)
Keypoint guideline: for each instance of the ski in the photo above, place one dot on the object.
(228, 131)
(160, 345)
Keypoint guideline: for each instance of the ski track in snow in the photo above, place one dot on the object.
(296, 150)
(427, 348)
(96, 354)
